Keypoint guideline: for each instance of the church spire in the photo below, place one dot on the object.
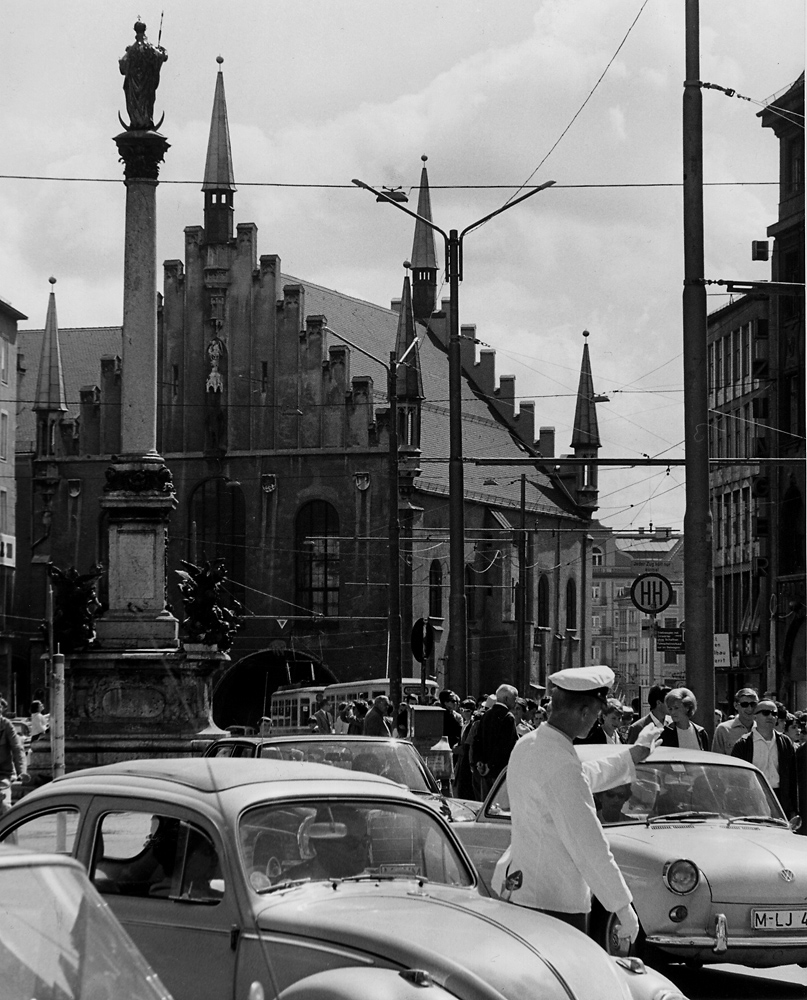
(409, 379)
(50, 399)
(586, 433)
(219, 183)
(424, 258)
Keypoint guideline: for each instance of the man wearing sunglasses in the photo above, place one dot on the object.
(727, 733)
(773, 753)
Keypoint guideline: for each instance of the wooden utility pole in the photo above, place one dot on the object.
(698, 582)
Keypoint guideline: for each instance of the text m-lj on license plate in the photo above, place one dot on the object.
(779, 920)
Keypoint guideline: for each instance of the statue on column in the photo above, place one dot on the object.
(140, 66)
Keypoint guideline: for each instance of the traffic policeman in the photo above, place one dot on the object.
(558, 854)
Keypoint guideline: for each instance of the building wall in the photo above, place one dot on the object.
(12, 684)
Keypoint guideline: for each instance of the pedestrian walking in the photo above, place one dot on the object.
(356, 724)
(773, 753)
(682, 732)
(495, 737)
(12, 757)
(728, 732)
(558, 855)
(375, 722)
(322, 719)
(463, 781)
(657, 714)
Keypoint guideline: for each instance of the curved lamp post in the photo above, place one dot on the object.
(458, 637)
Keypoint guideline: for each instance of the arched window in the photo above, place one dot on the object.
(317, 558)
(436, 589)
(217, 520)
(571, 604)
(542, 620)
(596, 556)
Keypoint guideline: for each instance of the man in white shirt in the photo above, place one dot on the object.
(557, 844)
(773, 753)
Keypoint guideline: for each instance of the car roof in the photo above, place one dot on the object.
(215, 774)
(660, 755)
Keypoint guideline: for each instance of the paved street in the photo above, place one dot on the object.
(734, 982)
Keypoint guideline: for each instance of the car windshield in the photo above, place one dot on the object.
(673, 788)
(60, 942)
(397, 761)
(325, 839)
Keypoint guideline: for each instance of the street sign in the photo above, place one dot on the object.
(651, 593)
(670, 640)
(422, 642)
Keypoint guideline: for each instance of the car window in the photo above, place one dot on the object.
(397, 761)
(51, 833)
(324, 839)
(223, 750)
(664, 789)
(140, 853)
(499, 805)
(59, 943)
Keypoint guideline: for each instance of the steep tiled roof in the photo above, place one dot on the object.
(483, 435)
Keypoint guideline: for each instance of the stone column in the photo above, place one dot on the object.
(139, 494)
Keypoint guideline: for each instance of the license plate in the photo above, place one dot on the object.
(779, 920)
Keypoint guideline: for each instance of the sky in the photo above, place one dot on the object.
(497, 94)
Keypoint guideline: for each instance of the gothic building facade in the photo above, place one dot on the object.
(273, 417)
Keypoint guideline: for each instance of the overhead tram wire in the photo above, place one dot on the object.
(580, 109)
(432, 187)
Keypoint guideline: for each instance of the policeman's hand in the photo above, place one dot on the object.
(639, 752)
(628, 929)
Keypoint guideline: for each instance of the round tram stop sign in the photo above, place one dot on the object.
(651, 593)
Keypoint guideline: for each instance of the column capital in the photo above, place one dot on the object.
(141, 153)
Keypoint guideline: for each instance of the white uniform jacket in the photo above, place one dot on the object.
(557, 841)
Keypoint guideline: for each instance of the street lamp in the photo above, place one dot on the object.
(458, 653)
(395, 635)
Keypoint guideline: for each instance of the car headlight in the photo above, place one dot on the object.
(681, 876)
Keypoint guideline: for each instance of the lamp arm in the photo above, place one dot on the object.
(398, 205)
(503, 208)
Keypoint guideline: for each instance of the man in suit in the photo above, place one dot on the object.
(495, 737)
(657, 714)
(773, 753)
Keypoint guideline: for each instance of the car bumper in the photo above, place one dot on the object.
(725, 946)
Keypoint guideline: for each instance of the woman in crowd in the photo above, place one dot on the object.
(682, 732)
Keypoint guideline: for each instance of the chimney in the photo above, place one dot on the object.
(546, 442)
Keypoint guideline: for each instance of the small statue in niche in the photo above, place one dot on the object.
(215, 354)
(75, 607)
(212, 616)
(140, 66)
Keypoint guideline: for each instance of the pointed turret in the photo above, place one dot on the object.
(50, 401)
(409, 379)
(219, 183)
(424, 258)
(586, 433)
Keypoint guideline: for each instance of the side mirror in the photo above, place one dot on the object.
(795, 823)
